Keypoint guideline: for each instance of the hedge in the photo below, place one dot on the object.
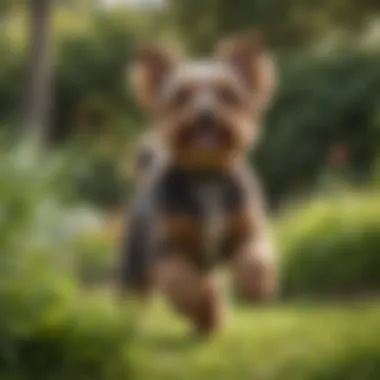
(330, 246)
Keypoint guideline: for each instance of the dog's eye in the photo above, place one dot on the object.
(181, 98)
(228, 96)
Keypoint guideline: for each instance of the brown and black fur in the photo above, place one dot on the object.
(200, 206)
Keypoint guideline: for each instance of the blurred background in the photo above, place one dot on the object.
(68, 124)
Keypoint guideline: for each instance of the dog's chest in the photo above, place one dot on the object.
(210, 198)
(201, 215)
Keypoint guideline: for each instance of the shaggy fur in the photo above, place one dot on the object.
(198, 206)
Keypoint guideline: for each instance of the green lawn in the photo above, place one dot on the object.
(324, 342)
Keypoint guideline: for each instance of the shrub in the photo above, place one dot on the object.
(37, 216)
(321, 103)
(94, 256)
(50, 331)
(331, 247)
(98, 178)
(48, 327)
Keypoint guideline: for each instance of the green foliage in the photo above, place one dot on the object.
(36, 204)
(49, 331)
(91, 99)
(27, 184)
(12, 77)
(95, 257)
(48, 328)
(100, 178)
(321, 104)
(292, 24)
(330, 247)
(91, 90)
(92, 50)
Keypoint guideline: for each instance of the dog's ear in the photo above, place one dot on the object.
(149, 70)
(251, 60)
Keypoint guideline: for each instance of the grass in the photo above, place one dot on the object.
(292, 342)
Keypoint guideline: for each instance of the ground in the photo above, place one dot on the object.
(295, 342)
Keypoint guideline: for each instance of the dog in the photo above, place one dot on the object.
(198, 206)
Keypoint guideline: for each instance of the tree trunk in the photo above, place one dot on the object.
(40, 70)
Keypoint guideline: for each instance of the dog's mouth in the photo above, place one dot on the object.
(204, 134)
(205, 137)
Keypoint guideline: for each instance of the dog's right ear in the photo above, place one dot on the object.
(148, 72)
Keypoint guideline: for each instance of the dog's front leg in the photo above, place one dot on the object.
(187, 283)
(255, 272)
(252, 256)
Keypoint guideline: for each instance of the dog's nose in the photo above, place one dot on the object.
(205, 118)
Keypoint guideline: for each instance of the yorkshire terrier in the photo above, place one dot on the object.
(198, 205)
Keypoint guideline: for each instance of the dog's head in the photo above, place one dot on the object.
(206, 112)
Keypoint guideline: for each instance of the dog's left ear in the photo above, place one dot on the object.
(251, 60)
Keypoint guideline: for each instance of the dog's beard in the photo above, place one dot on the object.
(190, 142)
(203, 138)
(195, 146)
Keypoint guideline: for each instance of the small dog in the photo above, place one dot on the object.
(198, 205)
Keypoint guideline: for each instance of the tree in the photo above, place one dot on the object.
(290, 24)
(40, 68)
